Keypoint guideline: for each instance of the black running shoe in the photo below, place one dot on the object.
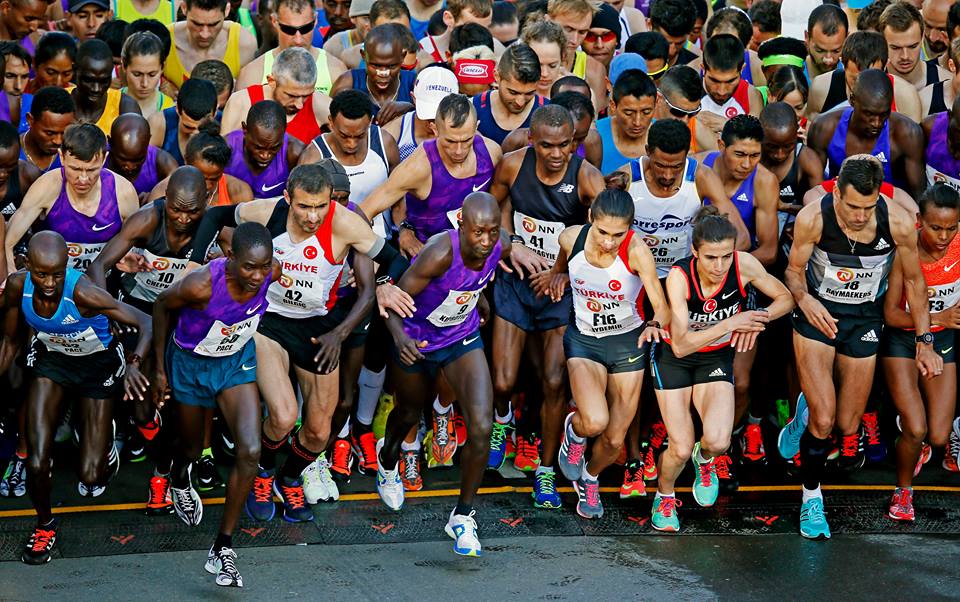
(41, 544)
(207, 476)
(726, 473)
(135, 447)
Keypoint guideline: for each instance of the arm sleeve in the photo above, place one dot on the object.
(391, 262)
(213, 221)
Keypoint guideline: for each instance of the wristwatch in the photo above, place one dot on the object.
(515, 239)
(384, 280)
(925, 338)
(407, 226)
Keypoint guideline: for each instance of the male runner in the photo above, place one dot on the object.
(511, 104)
(870, 127)
(382, 78)
(936, 37)
(172, 128)
(674, 20)
(942, 156)
(827, 28)
(95, 100)
(542, 189)
(262, 150)
(939, 97)
(132, 156)
(433, 84)
(84, 17)
(446, 282)
(211, 361)
(73, 350)
(902, 27)
(796, 167)
(842, 251)
(21, 20)
(727, 94)
(575, 16)
(52, 111)
(16, 175)
(624, 132)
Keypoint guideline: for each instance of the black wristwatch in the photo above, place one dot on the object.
(516, 238)
(925, 338)
(384, 280)
(407, 226)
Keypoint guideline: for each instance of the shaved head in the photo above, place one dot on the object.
(130, 132)
(47, 252)
(187, 186)
(480, 208)
(874, 86)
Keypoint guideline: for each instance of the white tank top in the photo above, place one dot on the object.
(310, 277)
(406, 143)
(604, 299)
(727, 110)
(665, 223)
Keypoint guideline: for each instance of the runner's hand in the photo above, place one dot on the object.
(929, 362)
(410, 245)
(408, 349)
(749, 321)
(546, 282)
(523, 259)
(483, 307)
(391, 296)
(391, 110)
(817, 314)
(743, 341)
(948, 318)
(651, 334)
(328, 356)
(161, 389)
(616, 180)
(135, 384)
(133, 263)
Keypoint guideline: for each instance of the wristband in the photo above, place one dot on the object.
(516, 238)
(135, 359)
(385, 279)
(407, 226)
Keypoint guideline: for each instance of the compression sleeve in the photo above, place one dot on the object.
(215, 219)
(391, 262)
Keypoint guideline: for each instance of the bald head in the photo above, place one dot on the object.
(873, 87)
(187, 186)
(129, 142)
(47, 252)
(480, 208)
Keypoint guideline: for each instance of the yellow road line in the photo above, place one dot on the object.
(356, 497)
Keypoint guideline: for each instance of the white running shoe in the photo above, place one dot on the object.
(318, 484)
(187, 503)
(223, 564)
(463, 530)
(389, 484)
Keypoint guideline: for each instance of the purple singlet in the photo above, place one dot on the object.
(224, 326)
(147, 178)
(438, 211)
(85, 235)
(942, 166)
(446, 308)
(271, 181)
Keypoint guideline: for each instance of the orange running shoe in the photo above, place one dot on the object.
(410, 470)
(901, 504)
(658, 436)
(633, 485)
(925, 452)
(444, 443)
(951, 451)
(342, 460)
(753, 444)
(649, 461)
(159, 501)
(460, 427)
(150, 429)
(528, 453)
(365, 448)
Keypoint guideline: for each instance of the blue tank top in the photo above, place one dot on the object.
(26, 101)
(66, 331)
(487, 124)
(171, 136)
(837, 149)
(745, 73)
(407, 79)
(613, 159)
(742, 198)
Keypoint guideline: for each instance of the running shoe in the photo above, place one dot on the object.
(226, 443)
(952, 451)
(650, 472)
(365, 449)
(664, 516)
(318, 484)
(14, 482)
(726, 473)
(444, 443)
(223, 564)
(159, 501)
(901, 505)
(925, 452)
(813, 520)
(571, 453)
(135, 448)
(588, 494)
(545, 490)
(41, 544)
(410, 470)
(658, 435)
(851, 452)
(389, 484)
(463, 530)
(295, 506)
(460, 427)
(751, 442)
(379, 425)
(342, 460)
(208, 478)
(259, 504)
(187, 504)
(633, 485)
(149, 430)
(511, 451)
(500, 435)
(706, 486)
(873, 447)
(528, 453)
(788, 442)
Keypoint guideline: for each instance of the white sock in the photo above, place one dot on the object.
(508, 417)
(415, 446)
(368, 394)
(439, 408)
(587, 476)
(809, 494)
(700, 458)
(544, 469)
(573, 435)
(345, 431)
(667, 494)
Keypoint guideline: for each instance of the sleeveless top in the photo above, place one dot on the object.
(580, 65)
(942, 166)
(404, 88)
(267, 184)
(26, 101)
(665, 223)
(303, 126)
(487, 123)
(85, 235)
(742, 198)
(174, 70)
(126, 11)
(729, 299)
(850, 282)
(171, 135)
(837, 93)
(324, 81)
(606, 301)
(541, 211)
(14, 196)
(168, 266)
(613, 159)
(446, 308)
(441, 208)
(407, 143)
(224, 326)
(837, 149)
(937, 102)
(66, 331)
(738, 104)
(147, 178)
(110, 111)
(943, 282)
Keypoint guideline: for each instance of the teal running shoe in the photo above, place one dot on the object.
(789, 440)
(665, 513)
(813, 520)
(706, 485)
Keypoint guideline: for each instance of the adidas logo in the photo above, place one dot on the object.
(69, 320)
(881, 245)
(743, 197)
(718, 372)
(786, 191)
(870, 337)
(881, 156)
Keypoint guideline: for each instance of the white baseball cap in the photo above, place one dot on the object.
(794, 15)
(433, 84)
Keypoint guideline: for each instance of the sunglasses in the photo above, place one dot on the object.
(604, 38)
(678, 112)
(291, 30)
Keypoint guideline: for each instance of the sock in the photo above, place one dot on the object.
(269, 449)
(440, 409)
(751, 419)
(544, 469)
(22, 456)
(587, 476)
(809, 494)
(415, 446)
(345, 431)
(506, 418)
(207, 453)
(223, 541)
(700, 459)
(667, 494)
(463, 510)
(813, 456)
(368, 394)
(297, 460)
(573, 435)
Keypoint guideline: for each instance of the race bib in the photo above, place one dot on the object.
(79, 255)
(934, 176)
(540, 236)
(223, 340)
(941, 296)
(455, 309)
(166, 271)
(851, 285)
(454, 216)
(85, 342)
(668, 249)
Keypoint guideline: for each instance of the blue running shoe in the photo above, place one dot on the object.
(295, 507)
(789, 440)
(570, 461)
(545, 490)
(813, 520)
(259, 505)
(706, 485)
(499, 437)
(463, 530)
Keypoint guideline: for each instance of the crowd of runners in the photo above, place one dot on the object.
(384, 237)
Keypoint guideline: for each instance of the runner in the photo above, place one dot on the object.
(141, 60)
(52, 111)
(796, 167)
(542, 190)
(827, 28)
(72, 351)
(382, 77)
(262, 150)
(902, 27)
(588, 142)
(841, 256)
(942, 132)
(171, 130)
(575, 16)
(512, 103)
(606, 342)
(709, 324)
(727, 94)
(932, 412)
(416, 127)
(446, 282)
(211, 361)
(132, 156)
(206, 34)
(16, 175)
(624, 132)
(95, 100)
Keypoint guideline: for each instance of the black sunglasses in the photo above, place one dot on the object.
(303, 30)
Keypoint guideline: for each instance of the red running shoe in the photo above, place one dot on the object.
(901, 505)
(365, 448)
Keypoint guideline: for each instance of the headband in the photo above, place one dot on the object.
(475, 71)
(783, 59)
